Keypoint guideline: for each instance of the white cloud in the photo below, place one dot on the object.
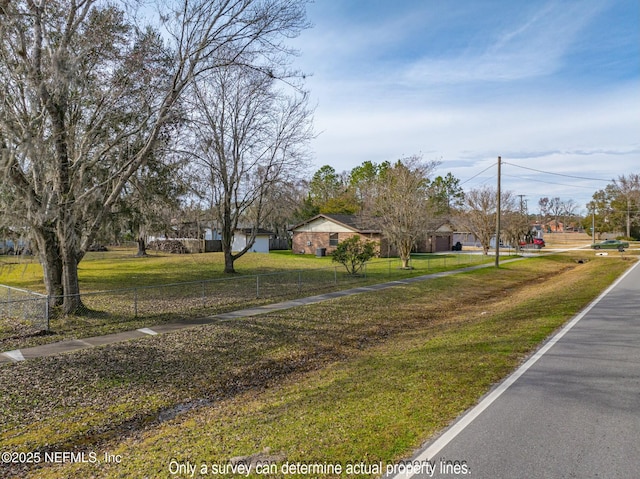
(507, 92)
(535, 47)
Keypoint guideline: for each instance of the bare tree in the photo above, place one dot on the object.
(88, 96)
(543, 205)
(479, 213)
(402, 206)
(515, 226)
(556, 207)
(252, 138)
(569, 208)
(629, 190)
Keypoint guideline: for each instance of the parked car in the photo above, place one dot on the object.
(611, 244)
(537, 243)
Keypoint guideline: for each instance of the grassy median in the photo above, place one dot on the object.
(360, 380)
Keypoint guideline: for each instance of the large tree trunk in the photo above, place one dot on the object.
(142, 246)
(227, 243)
(72, 302)
(228, 261)
(228, 228)
(405, 247)
(68, 238)
(49, 255)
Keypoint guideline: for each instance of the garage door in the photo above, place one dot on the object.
(442, 243)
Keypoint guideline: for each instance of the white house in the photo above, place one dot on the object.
(241, 238)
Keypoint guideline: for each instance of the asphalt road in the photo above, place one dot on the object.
(571, 411)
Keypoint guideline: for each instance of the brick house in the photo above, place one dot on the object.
(325, 231)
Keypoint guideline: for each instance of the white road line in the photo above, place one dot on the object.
(148, 331)
(15, 355)
(468, 418)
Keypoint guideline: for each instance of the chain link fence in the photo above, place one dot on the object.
(153, 304)
(212, 296)
(22, 310)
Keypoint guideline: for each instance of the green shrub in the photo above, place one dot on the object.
(353, 253)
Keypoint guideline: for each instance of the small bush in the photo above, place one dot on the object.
(353, 253)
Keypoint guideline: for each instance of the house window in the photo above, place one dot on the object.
(333, 239)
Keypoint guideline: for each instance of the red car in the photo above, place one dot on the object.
(537, 243)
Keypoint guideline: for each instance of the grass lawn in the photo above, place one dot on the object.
(363, 378)
(162, 292)
(119, 268)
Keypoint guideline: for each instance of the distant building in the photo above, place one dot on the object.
(241, 238)
(325, 231)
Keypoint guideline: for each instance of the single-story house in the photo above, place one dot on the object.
(325, 231)
(241, 238)
(440, 239)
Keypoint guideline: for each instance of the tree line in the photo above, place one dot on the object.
(616, 208)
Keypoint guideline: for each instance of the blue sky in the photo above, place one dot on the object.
(549, 85)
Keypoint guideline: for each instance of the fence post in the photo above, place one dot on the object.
(135, 302)
(299, 281)
(47, 313)
(335, 275)
(204, 295)
(257, 285)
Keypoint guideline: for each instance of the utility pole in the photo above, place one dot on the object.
(628, 216)
(593, 225)
(498, 216)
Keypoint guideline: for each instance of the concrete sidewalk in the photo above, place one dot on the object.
(75, 344)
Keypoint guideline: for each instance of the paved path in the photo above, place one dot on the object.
(571, 411)
(74, 344)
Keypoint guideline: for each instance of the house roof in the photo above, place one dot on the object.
(358, 224)
(259, 232)
(352, 222)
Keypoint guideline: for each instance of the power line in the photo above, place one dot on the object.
(550, 182)
(475, 176)
(558, 174)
